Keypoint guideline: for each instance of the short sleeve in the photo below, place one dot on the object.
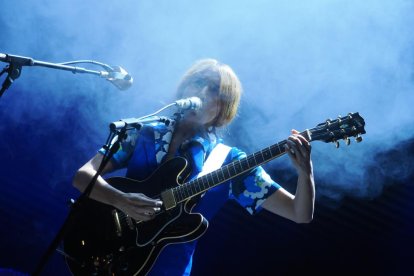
(251, 189)
(124, 153)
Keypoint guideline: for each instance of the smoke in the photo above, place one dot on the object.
(300, 63)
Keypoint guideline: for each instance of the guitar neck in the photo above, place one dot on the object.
(202, 184)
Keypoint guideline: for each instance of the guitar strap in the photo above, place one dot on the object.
(215, 159)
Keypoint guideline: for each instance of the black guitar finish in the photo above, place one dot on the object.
(105, 241)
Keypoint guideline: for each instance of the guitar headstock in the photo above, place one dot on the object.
(351, 125)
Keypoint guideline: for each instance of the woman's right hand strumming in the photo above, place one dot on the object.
(136, 205)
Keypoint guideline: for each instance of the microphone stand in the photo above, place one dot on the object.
(14, 68)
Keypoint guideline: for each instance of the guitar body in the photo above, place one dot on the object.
(104, 241)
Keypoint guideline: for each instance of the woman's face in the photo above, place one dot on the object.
(209, 110)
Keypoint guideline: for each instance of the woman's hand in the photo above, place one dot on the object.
(299, 151)
(138, 206)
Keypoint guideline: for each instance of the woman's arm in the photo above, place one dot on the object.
(138, 206)
(299, 207)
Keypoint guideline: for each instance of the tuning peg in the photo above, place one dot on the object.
(336, 144)
(347, 141)
(358, 139)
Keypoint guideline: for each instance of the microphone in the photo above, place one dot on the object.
(119, 77)
(189, 103)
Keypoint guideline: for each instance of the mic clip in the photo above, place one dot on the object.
(13, 71)
(119, 77)
(137, 123)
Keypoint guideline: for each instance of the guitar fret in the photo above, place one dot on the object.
(202, 183)
(239, 168)
(207, 181)
(280, 151)
(265, 155)
(213, 175)
(197, 183)
(216, 175)
(259, 157)
(268, 152)
(191, 187)
(179, 189)
(176, 194)
(210, 183)
(197, 186)
(250, 159)
(263, 158)
(222, 175)
(182, 192)
(234, 168)
(189, 191)
(186, 193)
(244, 164)
(228, 172)
(194, 184)
(212, 180)
(274, 150)
(254, 157)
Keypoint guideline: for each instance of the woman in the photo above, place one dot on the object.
(193, 136)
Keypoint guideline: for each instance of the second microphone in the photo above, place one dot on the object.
(189, 103)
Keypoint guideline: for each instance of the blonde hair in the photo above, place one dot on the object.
(220, 79)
